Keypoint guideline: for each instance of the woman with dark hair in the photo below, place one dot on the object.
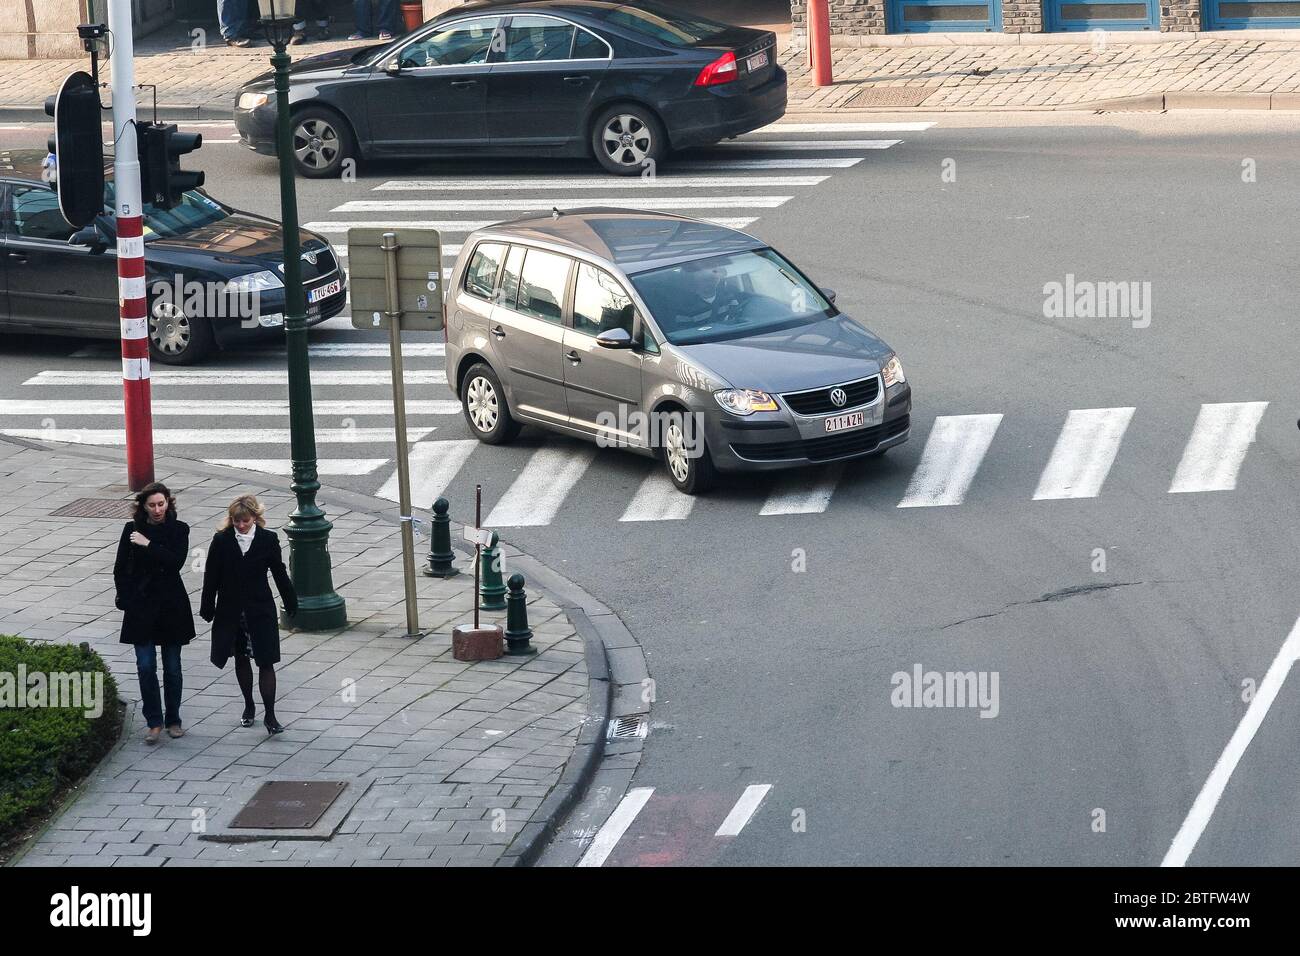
(237, 601)
(156, 608)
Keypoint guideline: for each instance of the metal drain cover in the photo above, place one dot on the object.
(628, 728)
(891, 96)
(96, 508)
(288, 804)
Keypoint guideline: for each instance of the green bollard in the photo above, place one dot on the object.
(441, 557)
(492, 589)
(518, 633)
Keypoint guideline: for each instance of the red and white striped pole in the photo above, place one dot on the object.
(132, 297)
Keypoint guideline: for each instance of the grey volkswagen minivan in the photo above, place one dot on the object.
(669, 336)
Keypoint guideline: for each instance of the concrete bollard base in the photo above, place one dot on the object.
(483, 644)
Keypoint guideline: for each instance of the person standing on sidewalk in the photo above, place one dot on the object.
(305, 10)
(156, 608)
(238, 603)
(233, 19)
(365, 21)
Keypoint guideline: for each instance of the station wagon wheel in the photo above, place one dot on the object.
(321, 143)
(176, 338)
(629, 140)
(484, 402)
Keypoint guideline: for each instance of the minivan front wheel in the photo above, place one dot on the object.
(689, 464)
(484, 402)
(629, 140)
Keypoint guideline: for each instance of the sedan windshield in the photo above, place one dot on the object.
(194, 211)
(729, 297)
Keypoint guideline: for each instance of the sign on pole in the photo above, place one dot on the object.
(419, 279)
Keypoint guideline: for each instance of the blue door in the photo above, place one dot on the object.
(1234, 15)
(941, 16)
(1066, 15)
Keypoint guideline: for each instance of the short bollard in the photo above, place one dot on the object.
(518, 633)
(492, 589)
(441, 557)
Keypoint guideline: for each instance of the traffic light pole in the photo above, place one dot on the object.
(132, 297)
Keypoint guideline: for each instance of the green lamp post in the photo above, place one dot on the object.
(319, 608)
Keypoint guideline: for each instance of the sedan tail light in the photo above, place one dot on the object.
(724, 69)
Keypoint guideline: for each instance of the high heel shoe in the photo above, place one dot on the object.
(247, 719)
(272, 726)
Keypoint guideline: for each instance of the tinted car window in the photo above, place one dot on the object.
(531, 39)
(667, 26)
(459, 44)
(481, 276)
(541, 285)
(588, 46)
(599, 303)
(37, 216)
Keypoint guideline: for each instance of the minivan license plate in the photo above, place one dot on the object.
(842, 422)
(757, 61)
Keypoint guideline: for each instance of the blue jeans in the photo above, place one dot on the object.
(387, 17)
(146, 663)
(232, 15)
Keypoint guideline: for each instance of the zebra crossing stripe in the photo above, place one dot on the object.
(658, 500)
(548, 203)
(284, 467)
(795, 496)
(229, 377)
(613, 829)
(464, 226)
(234, 408)
(844, 128)
(798, 162)
(537, 494)
(1222, 435)
(744, 810)
(808, 145)
(952, 455)
(666, 181)
(211, 436)
(1084, 453)
(434, 465)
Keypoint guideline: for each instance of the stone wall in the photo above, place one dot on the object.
(47, 29)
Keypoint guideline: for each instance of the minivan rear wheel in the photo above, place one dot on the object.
(484, 402)
(691, 471)
(628, 139)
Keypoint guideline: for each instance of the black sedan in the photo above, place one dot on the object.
(214, 276)
(625, 83)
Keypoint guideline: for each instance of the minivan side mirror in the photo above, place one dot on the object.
(829, 294)
(615, 339)
(89, 236)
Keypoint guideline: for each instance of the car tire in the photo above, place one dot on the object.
(484, 402)
(628, 139)
(176, 338)
(691, 475)
(322, 143)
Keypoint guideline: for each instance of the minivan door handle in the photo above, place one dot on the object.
(499, 332)
(573, 356)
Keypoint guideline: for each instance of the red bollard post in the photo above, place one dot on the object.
(819, 41)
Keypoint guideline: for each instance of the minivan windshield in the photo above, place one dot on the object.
(729, 296)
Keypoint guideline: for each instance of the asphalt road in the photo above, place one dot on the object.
(774, 638)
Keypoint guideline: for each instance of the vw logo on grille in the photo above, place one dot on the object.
(839, 398)
(309, 257)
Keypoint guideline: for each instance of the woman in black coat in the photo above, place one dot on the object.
(237, 601)
(156, 608)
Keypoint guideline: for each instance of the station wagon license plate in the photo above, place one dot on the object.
(757, 62)
(844, 422)
(325, 291)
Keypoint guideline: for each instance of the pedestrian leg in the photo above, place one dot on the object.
(173, 687)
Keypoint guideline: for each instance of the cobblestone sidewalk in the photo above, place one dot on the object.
(458, 757)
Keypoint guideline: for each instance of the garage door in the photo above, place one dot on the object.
(927, 16)
(1065, 15)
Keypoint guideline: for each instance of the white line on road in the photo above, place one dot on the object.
(460, 226)
(1084, 453)
(1206, 801)
(377, 350)
(667, 181)
(800, 145)
(537, 494)
(844, 128)
(433, 466)
(284, 467)
(801, 162)
(546, 203)
(794, 495)
(211, 436)
(234, 377)
(613, 829)
(953, 452)
(229, 407)
(1220, 439)
(744, 810)
(658, 500)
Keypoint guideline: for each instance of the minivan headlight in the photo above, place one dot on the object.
(745, 401)
(251, 101)
(256, 282)
(892, 373)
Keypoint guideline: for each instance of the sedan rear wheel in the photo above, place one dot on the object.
(628, 140)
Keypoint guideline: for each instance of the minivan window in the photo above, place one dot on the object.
(510, 278)
(532, 39)
(729, 296)
(481, 276)
(541, 285)
(599, 303)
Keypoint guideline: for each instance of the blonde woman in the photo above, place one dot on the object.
(237, 601)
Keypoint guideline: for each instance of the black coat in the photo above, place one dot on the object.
(235, 583)
(150, 593)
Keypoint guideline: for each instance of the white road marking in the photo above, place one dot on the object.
(744, 810)
(284, 467)
(211, 436)
(658, 500)
(666, 181)
(377, 350)
(844, 128)
(461, 226)
(799, 145)
(613, 829)
(1084, 453)
(952, 455)
(235, 377)
(433, 467)
(1206, 801)
(1220, 439)
(544, 203)
(804, 162)
(537, 494)
(230, 407)
(795, 495)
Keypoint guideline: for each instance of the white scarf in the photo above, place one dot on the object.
(245, 540)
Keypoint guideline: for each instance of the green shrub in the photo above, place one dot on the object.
(43, 750)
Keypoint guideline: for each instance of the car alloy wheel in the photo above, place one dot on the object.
(316, 144)
(482, 404)
(170, 331)
(628, 141)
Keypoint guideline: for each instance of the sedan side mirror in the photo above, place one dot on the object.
(89, 236)
(615, 339)
(394, 67)
(829, 294)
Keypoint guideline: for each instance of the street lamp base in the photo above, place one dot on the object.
(324, 613)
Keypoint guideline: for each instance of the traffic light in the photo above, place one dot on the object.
(162, 181)
(78, 148)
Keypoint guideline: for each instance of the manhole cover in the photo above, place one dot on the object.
(287, 805)
(96, 508)
(627, 728)
(891, 96)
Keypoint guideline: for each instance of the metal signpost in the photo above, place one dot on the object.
(397, 285)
